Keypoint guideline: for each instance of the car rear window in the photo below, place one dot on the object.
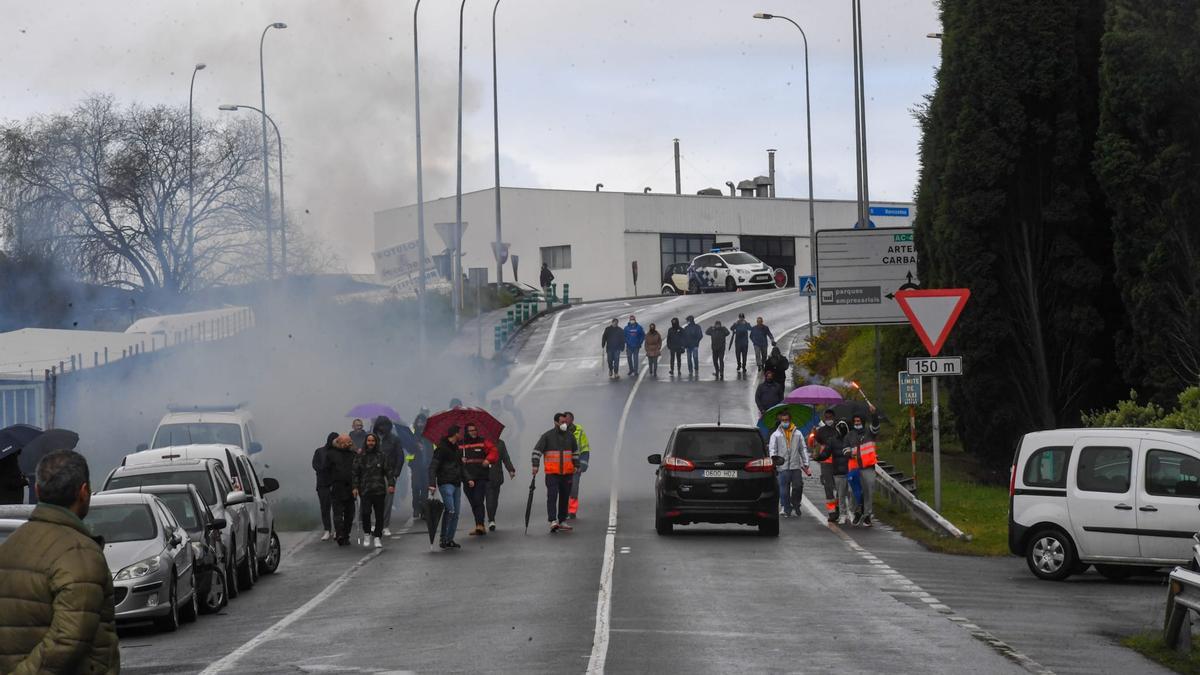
(740, 258)
(198, 478)
(714, 444)
(199, 433)
(183, 508)
(122, 522)
(1047, 467)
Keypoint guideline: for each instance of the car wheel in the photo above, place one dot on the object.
(274, 553)
(663, 525)
(231, 577)
(668, 289)
(170, 622)
(245, 572)
(191, 610)
(769, 528)
(216, 597)
(254, 561)
(1116, 572)
(1050, 555)
(693, 287)
(730, 284)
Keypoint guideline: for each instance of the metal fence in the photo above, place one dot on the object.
(1183, 598)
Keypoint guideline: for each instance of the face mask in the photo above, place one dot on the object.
(828, 423)
(784, 425)
(562, 427)
(858, 427)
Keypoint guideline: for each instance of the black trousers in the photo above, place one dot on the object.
(719, 362)
(740, 351)
(476, 496)
(373, 503)
(326, 501)
(343, 518)
(558, 495)
(676, 360)
(493, 499)
(760, 355)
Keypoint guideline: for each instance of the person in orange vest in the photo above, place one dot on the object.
(478, 455)
(559, 448)
(862, 437)
(821, 437)
(583, 455)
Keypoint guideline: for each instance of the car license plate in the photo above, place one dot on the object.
(719, 473)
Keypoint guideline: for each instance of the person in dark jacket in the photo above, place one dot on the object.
(654, 343)
(12, 481)
(560, 449)
(692, 335)
(635, 335)
(546, 278)
(374, 479)
(779, 364)
(495, 479)
(835, 449)
(822, 437)
(323, 484)
(445, 477)
(389, 445)
(613, 343)
(479, 454)
(418, 466)
(741, 341)
(769, 394)
(339, 467)
(675, 345)
(719, 334)
(357, 434)
(760, 334)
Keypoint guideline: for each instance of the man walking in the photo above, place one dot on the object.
(585, 452)
(741, 341)
(823, 437)
(546, 278)
(787, 442)
(445, 477)
(418, 464)
(718, 334)
(339, 466)
(769, 394)
(692, 335)
(675, 346)
(56, 592)
(613, 343)
(634, 337)
(559, 448)
(323, 484)
(861, 438)
(358, 435)
(779, 364)
(479, 454)
(760, 334)
(389, 445)
(838, 455)
(496, 479)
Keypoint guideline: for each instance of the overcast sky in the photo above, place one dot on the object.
(590, 91)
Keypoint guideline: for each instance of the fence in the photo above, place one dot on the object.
(1183, 598)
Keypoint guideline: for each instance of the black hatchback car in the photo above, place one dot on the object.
(716, 474)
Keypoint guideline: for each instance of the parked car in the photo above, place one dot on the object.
(1124, 500)
(244, 476)
(716, 474)
(13, 516)
(728, 269)
(675, 279)
(226, 503)
(204, 530)
(150, 556)
(206, 425)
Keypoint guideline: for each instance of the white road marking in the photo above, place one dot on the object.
(527, 384)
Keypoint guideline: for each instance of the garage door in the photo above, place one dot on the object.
(774, 251)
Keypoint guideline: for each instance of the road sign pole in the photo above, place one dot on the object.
(810, 321)
(937, 451)
(912, 429)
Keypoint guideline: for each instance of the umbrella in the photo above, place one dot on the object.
(529, 502)
(13, 438)
(803, 416)
(370, 411)
(48, 441)
(846, 410)
(434, 508)
(814, 394)
(489, 426)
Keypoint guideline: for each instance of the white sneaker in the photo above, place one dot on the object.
(378, 542)
(326, 536)
(387, 532)
(366, 541)
(782, 513)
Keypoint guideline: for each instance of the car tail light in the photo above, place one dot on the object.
(764, 514)
(1012, 480)
(764, 465)
(672, 514)
(677, 464)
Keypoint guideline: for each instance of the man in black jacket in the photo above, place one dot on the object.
(496, 479)
(323, 495)
(718, 334)
(446, 477)
(546, 278)
(339, 468)
(778, 363)
(613, 343)
(769, 394)
(823, 436)
(835, 450)
(389, 445)
(675, 345)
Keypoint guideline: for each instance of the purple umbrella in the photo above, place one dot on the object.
(369, 411)
(814, 394)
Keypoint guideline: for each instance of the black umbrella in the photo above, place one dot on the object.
(47, 441)
(846, 410)
(13, 438)
(434, 508)
(529, 503)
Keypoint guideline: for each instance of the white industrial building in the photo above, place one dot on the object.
(591, 239)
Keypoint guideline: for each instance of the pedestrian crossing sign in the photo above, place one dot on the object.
(807, 285)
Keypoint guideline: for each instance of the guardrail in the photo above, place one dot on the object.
(1183, 598)
(525, 310)
(924, 514)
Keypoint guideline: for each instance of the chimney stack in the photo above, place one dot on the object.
(678, 185)
(771, 170)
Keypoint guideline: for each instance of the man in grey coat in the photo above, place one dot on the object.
(788, 442)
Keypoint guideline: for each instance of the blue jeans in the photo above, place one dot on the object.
(631, 355)
(693, 356)
(451, 497)
(614, 361)
(791, 484)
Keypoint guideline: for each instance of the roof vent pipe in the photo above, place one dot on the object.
(771, 171)
(678, 184)
(598, 186)
(732, 188)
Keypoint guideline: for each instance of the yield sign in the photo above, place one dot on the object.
(933, 312)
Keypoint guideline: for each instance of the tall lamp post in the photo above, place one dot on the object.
(496, 142)
(457, 282)
(282, 203)
(812, 219)
(191, 162)
(420, 191)
(262, 84)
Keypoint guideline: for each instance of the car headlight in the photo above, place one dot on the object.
(138, 569)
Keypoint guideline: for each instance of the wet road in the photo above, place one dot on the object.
(615, 596)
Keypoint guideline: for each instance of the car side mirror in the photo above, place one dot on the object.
(654, 459)
(778, 460)
(255, 447)
(142, 447)
(237, 497)
(269, 485)
(218, 524)
(174, 540)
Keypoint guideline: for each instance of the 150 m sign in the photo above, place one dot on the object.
(926, 366)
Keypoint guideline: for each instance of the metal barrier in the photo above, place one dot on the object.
(1183, 598)
(924, 514)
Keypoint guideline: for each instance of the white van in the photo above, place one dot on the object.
(244, 476)
(204, 425)
(1118, 499)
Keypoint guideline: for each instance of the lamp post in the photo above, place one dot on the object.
(262, 83)
(457, 282)
(282, 203)
(420, 190)
(496, 141)
(812, 219)
(191, 163)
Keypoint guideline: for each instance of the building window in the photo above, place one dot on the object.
(682, 248)
(557, 257)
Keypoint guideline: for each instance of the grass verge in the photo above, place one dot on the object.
(1150, 645)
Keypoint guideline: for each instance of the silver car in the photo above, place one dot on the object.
(13, 516)
(150, 557)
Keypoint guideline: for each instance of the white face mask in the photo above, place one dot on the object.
(858, 427)
(562, 427)
(828, 423)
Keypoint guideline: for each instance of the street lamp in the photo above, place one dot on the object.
(282, 203)
(812, 219)
(457, 285)
(496, 139)
(420, 190)
(191, 161)
(262, 83)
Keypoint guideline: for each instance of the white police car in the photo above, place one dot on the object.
(728, 269)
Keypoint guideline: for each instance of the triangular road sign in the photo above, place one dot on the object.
(808, 286)
(933, 312)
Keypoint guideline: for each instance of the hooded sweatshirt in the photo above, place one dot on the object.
(318, 461)
(389, 443)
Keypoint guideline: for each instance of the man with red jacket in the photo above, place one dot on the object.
(478, 455)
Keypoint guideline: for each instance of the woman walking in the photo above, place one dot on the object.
(374, 479)
(654, 343)
(675, 346)
(446, 477)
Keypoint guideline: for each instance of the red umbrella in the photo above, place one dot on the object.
(489, 427)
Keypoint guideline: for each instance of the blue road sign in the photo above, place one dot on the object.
(807, 285)
(899, 211)
(910, 389)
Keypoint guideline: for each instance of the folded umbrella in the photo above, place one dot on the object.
(369, 411)
(529, 502)
(13, 438)
(47, 441)
(434, 508)
(437, 426)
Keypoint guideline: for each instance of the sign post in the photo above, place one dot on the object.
(932, 313)
(808, 289)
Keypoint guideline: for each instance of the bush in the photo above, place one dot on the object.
(823, 351)
(899, 441)
(1130, 413)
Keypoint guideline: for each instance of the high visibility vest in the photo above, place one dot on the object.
(559, 461)
(812, 443)
(866, 453)
(474, 452)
